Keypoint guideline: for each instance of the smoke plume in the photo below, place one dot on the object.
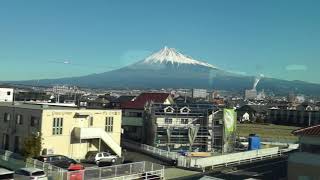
(256, 81)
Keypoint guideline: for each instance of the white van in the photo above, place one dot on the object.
(30, 173)
(6, 174)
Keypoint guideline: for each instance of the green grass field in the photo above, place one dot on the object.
(275, 132)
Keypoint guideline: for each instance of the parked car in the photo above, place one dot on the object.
(6, 174)
(76, 172)
(102, 157)
(30, 173)
(57, 160)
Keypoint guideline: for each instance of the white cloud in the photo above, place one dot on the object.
(238, 72)
(296, 67)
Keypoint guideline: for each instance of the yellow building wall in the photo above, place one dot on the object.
(65, 144)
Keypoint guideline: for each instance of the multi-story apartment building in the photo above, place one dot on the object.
(301, 115)
(199, 93)
(305, 163)
(133, 112)
(64, 130)
(191, 127)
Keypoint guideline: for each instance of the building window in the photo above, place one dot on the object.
(5, 141)
(57, 126)
(8, 93)
(184, 121)
(168, 109)
(34, 121)
(91, 121)
(16, 144)
(184, 110)
(19, 119)
(109, 124)
(168, 121)
(135, 114)
(6, 117)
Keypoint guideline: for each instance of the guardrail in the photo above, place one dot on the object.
(151, 150)
(279, 140)
(213, 161)
(123, 171)
(151, 175)
(234, 158)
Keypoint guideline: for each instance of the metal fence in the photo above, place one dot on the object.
(202, 163)
(136, 170)
(124, 171)
(234, 158)
(15, 161)
(151, 150)
(53, 172)
(151, 175)
(279, 140)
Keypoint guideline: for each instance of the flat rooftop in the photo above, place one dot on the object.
(43, 106)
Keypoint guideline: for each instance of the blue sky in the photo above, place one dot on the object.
(277, 38)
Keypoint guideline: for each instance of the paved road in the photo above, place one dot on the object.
(273, 169)
(266, 170)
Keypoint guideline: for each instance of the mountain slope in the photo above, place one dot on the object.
(173, 57)
(169, 68)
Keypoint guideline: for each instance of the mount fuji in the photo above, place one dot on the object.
(169, 68)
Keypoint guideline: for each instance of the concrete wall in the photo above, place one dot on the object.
(310, 140)
(13, 129)
(301, 172)
(303, 165)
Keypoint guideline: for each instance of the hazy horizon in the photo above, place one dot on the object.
(49, 40)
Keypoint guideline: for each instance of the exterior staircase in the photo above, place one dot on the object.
(95, 133)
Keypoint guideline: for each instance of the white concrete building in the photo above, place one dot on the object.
(199, 93)
(6, 94)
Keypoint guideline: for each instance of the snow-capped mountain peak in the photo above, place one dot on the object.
(171, 55)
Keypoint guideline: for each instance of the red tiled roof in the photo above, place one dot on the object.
(143, 98)
(309, 131)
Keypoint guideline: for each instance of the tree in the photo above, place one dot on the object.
(32, 146)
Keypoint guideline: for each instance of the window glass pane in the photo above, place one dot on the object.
(38, 173)
(91, 121)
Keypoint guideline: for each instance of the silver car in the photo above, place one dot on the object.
(102, 157)
(30, 173)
